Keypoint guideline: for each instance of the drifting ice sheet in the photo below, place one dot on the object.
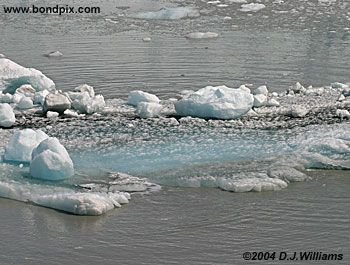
(169, 13)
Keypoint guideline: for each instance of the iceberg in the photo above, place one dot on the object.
(137, 96)
(22, 143)
(7, 116)
(51, 161)
(13, 76)
(172, 13)
(219, 102)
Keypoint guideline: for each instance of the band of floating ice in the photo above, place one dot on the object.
(64, 199)
(169, 13)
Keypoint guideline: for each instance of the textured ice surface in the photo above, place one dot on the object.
(22, 143)
(148, 109)
(137, 96)
(51, 161)
(7, 116)
(13, 75)
(216, 102)
(169, 13)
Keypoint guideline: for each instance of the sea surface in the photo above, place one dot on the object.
(185, 223)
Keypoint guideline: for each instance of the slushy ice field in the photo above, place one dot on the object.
(193, 190)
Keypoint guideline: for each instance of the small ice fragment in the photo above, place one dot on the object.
(52, 114)
(7, 116)
(25, 103)
(22, 143)
(202, 35)
(51, 161)
(54, 54)
(260, 100)
(147, 39)
(261, 90)
(252, 7)
(148, 109)
(137, 96)
(56, 102)
(343, 113)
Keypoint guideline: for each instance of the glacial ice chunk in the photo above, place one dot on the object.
(137, 96)
(148, 109)
(252, 7)
(25, 103)
(202, 35)
(169, 13)
(13, 75)
(22, 143)
(51, 161)
(7, 116)
(219, 102)
(56, 102)
(84, 103)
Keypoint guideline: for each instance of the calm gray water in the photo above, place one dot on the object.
(302, 41)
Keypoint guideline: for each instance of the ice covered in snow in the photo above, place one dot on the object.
(137, 96)
(51, 161)
(148, 109)
(85, 88)
(22, 143)
(7, 116)
(252, 184)
(252, 7)
(202, 35)
(56, 102)
(13, 76)
(25, 103)
(219, 102)
(169, 13)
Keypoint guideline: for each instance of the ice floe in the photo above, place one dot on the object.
(252, 7)
(202, 35)
(7, 116)
(13, 76)
(219, 102)
(54, 54)
(22, 144)
(171, 13)
(51, 161)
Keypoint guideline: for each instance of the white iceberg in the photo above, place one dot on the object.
(219, 102)
(261, 90)
(169, 13)
(13, 76)
(202, 35)
(22, 143)
(54, 54)
(7, 116)
(137, 96)
(260, 100)
(148, 109)
(39, 97)
(26, 91)
(51, 161)
(252, 7)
